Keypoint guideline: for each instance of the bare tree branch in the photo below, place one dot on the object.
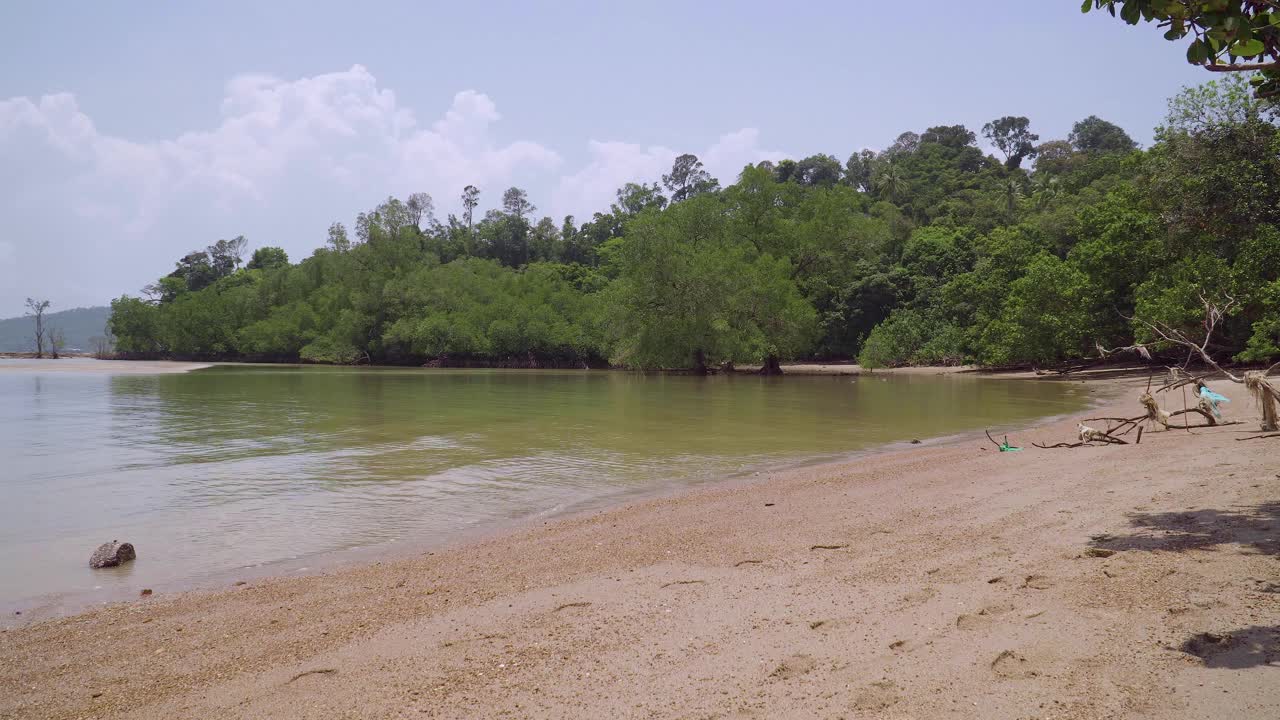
(1213, 314)
(1247, 67)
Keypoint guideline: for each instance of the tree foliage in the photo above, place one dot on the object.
(1013, 137)
(1225, 35)
(929, 251)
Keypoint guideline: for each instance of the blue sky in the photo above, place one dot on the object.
(135, 132)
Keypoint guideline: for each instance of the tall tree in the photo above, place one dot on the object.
(688, 179)
(265, 258)
(1096, 136)
(907, 142)
(1054, 157)
(818, 171)
(951, 136)
(421, 208)
(516, 202)
(225, 256)
(35, 311)
(195, 271)
(1013, 137)
(57, 341)
(859, 168)
(890, 181)
(544, 241)
(338, 240)
(470, 199)
(635, 198)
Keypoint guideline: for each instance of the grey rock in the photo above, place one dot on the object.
(112, 554)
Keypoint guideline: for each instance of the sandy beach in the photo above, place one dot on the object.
(104, 367)
(1137, 581)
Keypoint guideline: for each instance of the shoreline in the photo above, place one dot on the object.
(90, 365)
(711, 601)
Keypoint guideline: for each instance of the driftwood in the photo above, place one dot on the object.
(1266, 395)
(1154, 413)
(1089, 436)
(1060, 445)
(993, 440)
(1002, 447)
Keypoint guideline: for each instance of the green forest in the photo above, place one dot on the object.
(929, 251)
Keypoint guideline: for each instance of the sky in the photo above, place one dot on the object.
(134, 132)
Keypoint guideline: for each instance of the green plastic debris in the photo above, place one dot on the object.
(1004, 446)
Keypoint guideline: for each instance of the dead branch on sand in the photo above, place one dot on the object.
(1259, 437)
(1089, 436)
(1260, 388)
(319, 671)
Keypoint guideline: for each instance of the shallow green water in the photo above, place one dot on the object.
(283, 467)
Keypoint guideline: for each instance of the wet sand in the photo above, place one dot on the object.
(104, 367)
(855, 369)
(944, 581)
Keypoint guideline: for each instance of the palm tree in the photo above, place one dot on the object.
(1045, 190)
(889, 181)
(1013, 193)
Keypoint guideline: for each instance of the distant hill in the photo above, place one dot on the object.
(77, 327)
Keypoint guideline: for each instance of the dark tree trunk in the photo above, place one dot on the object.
(771, 366)
(700, 362)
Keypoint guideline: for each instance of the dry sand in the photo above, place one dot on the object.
(938, 582)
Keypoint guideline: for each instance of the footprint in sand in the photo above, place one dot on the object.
(1009, 664)
(794, 667)
(877, 696)
(1037, 582)
(982, 618)
(924, 594)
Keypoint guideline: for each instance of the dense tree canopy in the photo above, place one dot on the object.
(929, 251)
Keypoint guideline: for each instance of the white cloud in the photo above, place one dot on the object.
(732, 152)
(93, 215)
(339, 124)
